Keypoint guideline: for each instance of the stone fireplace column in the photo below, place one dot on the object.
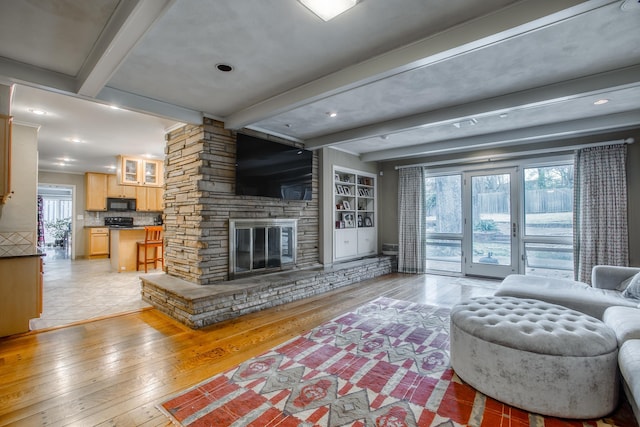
(199, 162)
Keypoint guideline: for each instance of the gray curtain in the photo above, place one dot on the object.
(600, 209)
(411, 208)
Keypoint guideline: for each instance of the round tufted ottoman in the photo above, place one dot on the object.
(536, 356)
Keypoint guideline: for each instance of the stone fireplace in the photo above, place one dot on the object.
(261, 245)
(201, 205)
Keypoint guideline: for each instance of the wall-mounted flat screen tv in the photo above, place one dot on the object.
(269, 169)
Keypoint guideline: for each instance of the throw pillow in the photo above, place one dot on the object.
(633, 288)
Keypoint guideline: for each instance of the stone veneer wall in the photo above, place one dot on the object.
(199, 306)
(200, 198)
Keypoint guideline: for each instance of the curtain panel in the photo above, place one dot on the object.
(600, 209)
(411, 209)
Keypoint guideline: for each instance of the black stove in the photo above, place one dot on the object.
(118, 221)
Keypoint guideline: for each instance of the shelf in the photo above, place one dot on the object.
(354, 214)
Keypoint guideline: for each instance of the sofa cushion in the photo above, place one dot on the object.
(624, 321)
(629, 363)
(568, 293)
(631, 287)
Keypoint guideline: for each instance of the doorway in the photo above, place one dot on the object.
(490, 212)
(496, 222)
(56, 220)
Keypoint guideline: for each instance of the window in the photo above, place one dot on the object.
(444, 223)
(548, 220)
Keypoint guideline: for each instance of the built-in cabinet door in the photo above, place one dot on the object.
(136, 171)
(149, 199)
(98, 242)
(96, 191)
(367, 243)
(119, 191)
(346, 243)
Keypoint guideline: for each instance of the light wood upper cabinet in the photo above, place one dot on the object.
(5, 157)
(149, 199)
(119, 191)
(136, 171)
(95, 186)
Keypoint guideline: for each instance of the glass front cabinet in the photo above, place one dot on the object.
(354, 214)
(136, 171)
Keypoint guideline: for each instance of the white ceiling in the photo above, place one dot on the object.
(405, 77)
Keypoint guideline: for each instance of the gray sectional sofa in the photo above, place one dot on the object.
(606, 300)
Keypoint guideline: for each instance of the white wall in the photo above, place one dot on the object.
(20, 212)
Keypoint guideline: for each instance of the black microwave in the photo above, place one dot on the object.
(121, 204)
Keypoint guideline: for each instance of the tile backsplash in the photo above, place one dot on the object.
(96, 219)
(12, 238)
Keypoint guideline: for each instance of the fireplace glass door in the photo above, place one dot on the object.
(260, 246)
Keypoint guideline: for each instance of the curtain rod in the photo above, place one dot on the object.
(503, 156)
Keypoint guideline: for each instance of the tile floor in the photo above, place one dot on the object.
(76, 290)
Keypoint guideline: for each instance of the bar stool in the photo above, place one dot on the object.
(152, 240)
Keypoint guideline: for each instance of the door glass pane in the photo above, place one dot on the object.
(259, 250)
(444, 255)
(491, 219)
(150, 173)
(286, 242)
(444, 204)
(548, 199)
(273, 247)
(243, 250)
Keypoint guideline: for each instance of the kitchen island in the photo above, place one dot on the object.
(20, 287)
(123, 247)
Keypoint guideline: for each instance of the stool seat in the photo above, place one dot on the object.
(153, 240)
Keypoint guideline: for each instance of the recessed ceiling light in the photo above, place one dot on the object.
(76, 140)
(114, 107)
(65, 159)
(111, 167)
(224, 67)
(328, 9)
(37, 111)
(601, 102)
(331, 114)
(504, 115)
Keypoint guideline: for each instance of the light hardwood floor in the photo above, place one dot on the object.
(115, 370)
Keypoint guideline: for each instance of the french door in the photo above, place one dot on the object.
(490, 238)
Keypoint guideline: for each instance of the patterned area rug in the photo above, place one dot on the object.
(386, 364)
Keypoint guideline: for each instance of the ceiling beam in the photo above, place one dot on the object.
(129, 23)
(545, 95)
(570, 129)
(35, 77)
(151, 106)
(514, 20)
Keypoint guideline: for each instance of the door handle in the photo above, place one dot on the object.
(513, 228)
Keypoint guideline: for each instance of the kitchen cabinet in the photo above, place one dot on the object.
(95, 186)
(149, 199)
(5, 157)
(354, 214)
(119, 191)
(98, 238)
(20, 293)
(136, 171)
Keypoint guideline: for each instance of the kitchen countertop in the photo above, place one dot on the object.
(15, 251)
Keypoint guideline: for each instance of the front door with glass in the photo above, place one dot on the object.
(491, 227)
